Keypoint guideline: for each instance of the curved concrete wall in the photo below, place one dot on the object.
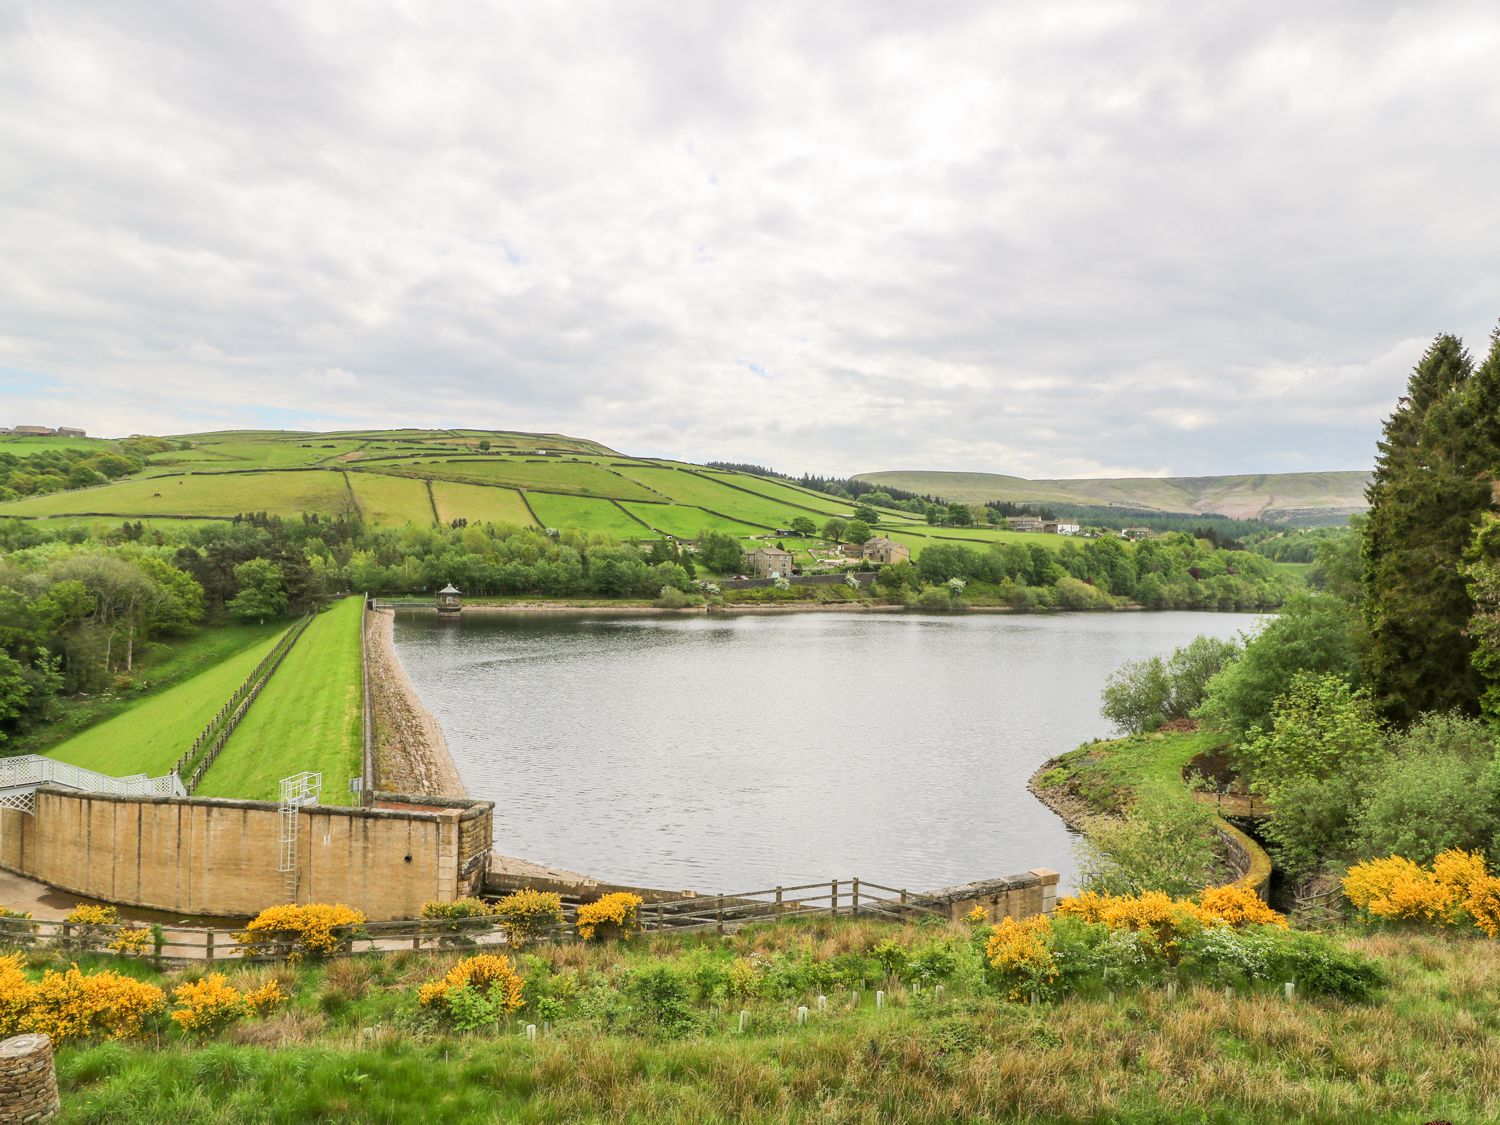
(219, 857)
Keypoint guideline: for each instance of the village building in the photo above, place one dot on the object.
(1024, 523)
(886, 551)
(70, 431)
(37, 431)
(769, 562)
(1069, 529)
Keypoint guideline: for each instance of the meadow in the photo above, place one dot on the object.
(649, 1032)
(480, 503)
(283, 493)
(309, 717)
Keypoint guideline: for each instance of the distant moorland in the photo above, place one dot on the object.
(1304, 499)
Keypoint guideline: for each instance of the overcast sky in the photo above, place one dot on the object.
(1044, 239)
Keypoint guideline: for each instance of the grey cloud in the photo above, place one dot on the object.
(1049, 240)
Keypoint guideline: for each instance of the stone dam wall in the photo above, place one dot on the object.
(221, 857)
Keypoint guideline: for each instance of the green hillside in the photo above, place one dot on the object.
(1275, 497)
(426, 478)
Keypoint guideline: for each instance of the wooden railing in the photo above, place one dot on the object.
(841, 898)
(210, 741)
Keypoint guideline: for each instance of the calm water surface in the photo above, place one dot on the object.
(724, 754)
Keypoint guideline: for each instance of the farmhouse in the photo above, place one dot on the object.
(38, 431)
(769, 562)
(70, 431)
(1024, 523)
(883, 550)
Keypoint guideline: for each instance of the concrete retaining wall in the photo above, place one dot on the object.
(1012, 896)
(220, 857)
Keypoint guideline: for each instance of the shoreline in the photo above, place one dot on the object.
(646, 610)
(411, 753)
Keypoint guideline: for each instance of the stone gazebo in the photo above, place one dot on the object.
(450, 600)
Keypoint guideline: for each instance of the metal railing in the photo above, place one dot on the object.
(20, 776)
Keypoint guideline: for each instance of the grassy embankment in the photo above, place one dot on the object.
(1105, 774)
(629, 1045)
(309, 717)
(146, 731)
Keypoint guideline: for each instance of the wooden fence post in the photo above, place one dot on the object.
(903, 902)
(856, 896)
(719, 915)
(833, 897)
(208, 945)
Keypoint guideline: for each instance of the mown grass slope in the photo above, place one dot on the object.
(309, 717)
(149, 735)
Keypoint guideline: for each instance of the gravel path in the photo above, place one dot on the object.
(411, 754)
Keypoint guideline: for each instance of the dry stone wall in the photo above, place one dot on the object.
(28, 1080)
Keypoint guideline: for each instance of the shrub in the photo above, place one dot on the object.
(208, 1006)
(671, 597)
(16, 928)
(1457, 887)
(1321, 967)
(614, 915)
(662, 1000)
(529, 915)
(72, 1005)
(1141, 695)
(294, 932)
(1020, 957)
(934, 599)
(89, 926)
(1236, 905)
(457, 922)
(477, 991)
(1165, 842)
(134, 941)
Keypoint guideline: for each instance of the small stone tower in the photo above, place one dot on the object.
(450, 600)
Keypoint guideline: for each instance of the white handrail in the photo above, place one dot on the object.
(31, 770)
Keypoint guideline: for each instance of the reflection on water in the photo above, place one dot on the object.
(735, 753)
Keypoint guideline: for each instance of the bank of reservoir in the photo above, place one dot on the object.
(725, 753)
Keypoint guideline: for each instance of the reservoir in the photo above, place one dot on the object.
(733, 753)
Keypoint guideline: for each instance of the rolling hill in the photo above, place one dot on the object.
(1295, 498)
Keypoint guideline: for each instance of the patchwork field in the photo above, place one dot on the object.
(286, 494)
(391, 501)
(587, 513)
(479, 503)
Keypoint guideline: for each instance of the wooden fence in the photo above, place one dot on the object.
(853, 898)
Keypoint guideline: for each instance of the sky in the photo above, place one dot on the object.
(1066, 239)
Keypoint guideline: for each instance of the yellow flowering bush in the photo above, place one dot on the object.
(977, 916)
(613, 915)
(1456, 887)
(529, 915)
(1236, 905)
(88, 925)
(133, 941)
(477, 990)
(209, 1005)
(294, 932)
(1018, 952)
(17, 928)
(72, 1005)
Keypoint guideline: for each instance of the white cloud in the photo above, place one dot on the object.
(1050, 240)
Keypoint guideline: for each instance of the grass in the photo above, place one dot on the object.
(348, 1048)
(284, 494)
(683, 522)
(147, 734)
(479, 503)
(553, 474)
(309, 717)
(974, 537)
(391, 501)
(586, 514)
(1106, 773)
(705, 492)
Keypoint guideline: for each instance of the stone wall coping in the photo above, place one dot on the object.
(474, 808)
(980, 888)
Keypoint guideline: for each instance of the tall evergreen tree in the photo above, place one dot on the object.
(1430, 488)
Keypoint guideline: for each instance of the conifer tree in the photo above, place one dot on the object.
(1428, 493)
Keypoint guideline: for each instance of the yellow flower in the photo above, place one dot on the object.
(486, 973)
(618, 910)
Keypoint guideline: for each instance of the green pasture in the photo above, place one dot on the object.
(23, 444)
(309, 717)
(149, 735)
(553, 475)
(586, 514)
(684, 522)
(386, 501)
(690, 488)
(480, 503)
(977, 538)
(285, 494)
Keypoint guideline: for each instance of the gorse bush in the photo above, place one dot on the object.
(527, 916)
(1456, 889)
(208, 1006)
(457, 922)
(613, 916)
(71, 1005)
(477, 991)
(294, 932)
